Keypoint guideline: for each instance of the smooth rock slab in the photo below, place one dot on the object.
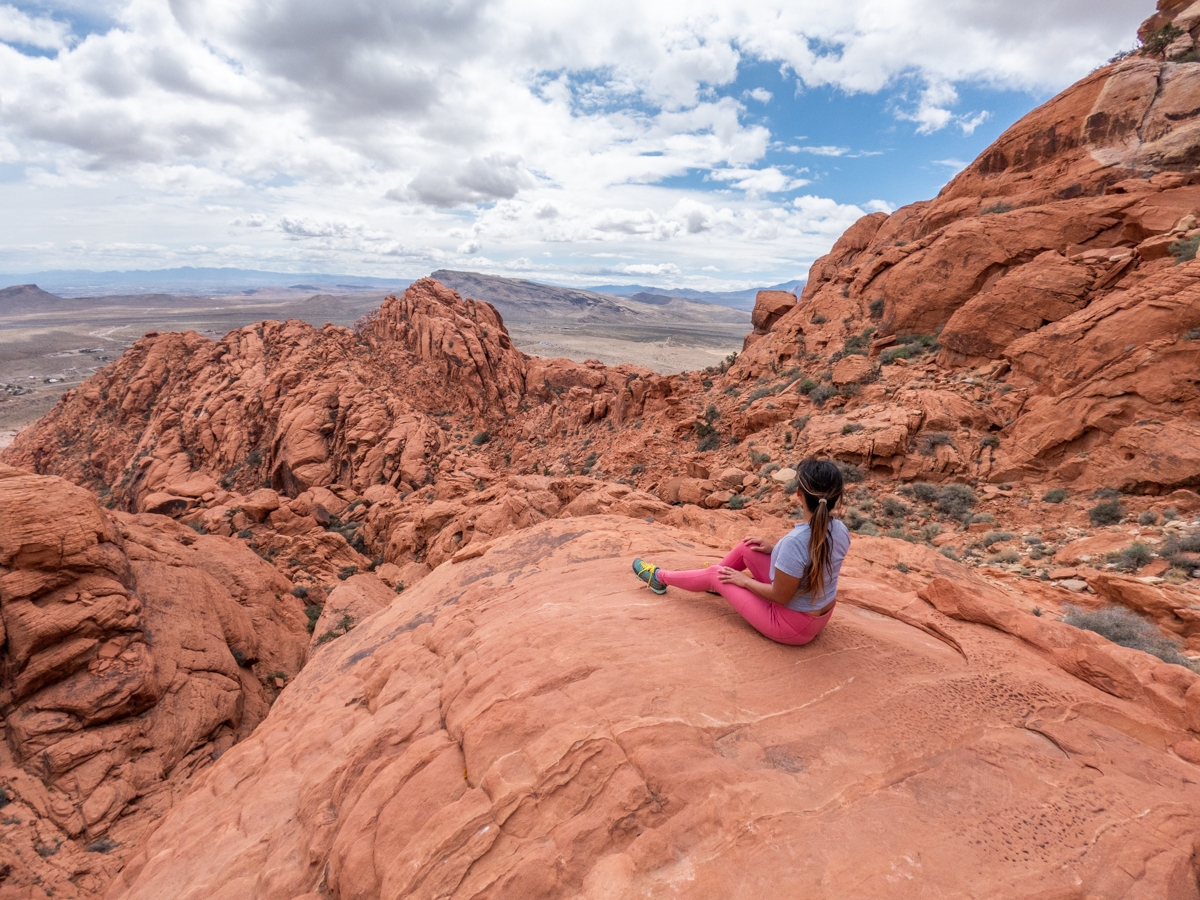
(535, 723)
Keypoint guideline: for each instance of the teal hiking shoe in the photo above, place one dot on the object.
(649, 574)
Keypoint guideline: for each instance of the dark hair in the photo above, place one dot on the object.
(820, 483)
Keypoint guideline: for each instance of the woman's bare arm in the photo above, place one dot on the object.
(781, 590)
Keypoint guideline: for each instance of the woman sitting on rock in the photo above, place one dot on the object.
(791, 586)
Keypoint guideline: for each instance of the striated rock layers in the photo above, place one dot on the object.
(534, 723)
(1047, 264)
(135, 652)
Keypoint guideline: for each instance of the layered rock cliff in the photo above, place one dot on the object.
(135, 652)
(493, 706)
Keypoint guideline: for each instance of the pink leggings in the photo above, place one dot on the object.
(787, 626)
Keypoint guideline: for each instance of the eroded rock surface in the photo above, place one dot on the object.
(535, 723)
(136, 652)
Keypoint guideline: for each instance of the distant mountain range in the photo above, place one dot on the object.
(189, 280)
(736, 299)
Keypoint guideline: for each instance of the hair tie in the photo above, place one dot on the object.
(822, 500)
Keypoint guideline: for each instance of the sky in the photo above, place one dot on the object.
(712, 144)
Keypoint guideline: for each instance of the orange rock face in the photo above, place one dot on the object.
(136, 652)
(567, 733)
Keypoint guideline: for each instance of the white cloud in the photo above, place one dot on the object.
(526, 126)
(17, 27)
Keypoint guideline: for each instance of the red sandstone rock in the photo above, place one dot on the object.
(136, 652)
(524, 742)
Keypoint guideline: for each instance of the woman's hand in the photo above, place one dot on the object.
(760, 544)
(726, 575)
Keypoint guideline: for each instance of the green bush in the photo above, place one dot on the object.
(821, 393)
(1158, 41)
(482, 438)
(996, 209)
(1006, 557)
(892, 354)
(800, 424)
(818, 319)
(709, 442)
(1149, 517)
(313, 612)
(1054, 495)
(851, 428)
(1184, 249)
(1133, 557)
(737, 501)
(893, 508)
(851, 474)
(924, 491)
(876, 308)
(1109, 512)
(1194, 334)
(955, 500)
(996, 537)
(346, 572)
(807, 386)
(930, 531)
(990, 441)
(300, 591)
(1126, 628)
(934, 439)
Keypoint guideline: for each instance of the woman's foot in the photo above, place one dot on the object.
(649, 574)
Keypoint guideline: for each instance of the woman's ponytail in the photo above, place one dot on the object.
(821, 484)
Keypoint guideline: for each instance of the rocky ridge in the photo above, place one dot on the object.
(986, 366)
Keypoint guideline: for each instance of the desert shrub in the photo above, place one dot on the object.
(868, 528)
(851, 474)
(851, 428)
(346, 572)
(732, 390)
(996, 209)
(759, 458)
(1149, 517)
(1126, 628)
(982, 517)
(343, 626)
(996, 537)
(102, 845)
(930, 531)
(709, 442)
(853, 518)
(1005, 557)
(892, 354)
(858, 344)
(850, 390)
(807, 386)
(818, 319)
(901, 535)
(934, 439)
(990, 441)
(1158, 41)
(875, 307)
(768, 469)
(949, 552)
(400, 587)
(1106, 494)
(1170, 514)
(893, 508)
(313, 613)
(300, 591)
(955, 500)
(924, 491)
(1194, 334)
(1108, 512)
(800, 424)
(482, 438)
(1132, 557)
(1054, 495)
(711, 414)
(758, 394)
(821, 393)
(737, 501)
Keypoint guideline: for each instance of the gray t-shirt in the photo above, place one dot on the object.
(791, 557)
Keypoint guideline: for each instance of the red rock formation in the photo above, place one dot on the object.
(495, 734)
(135, 653)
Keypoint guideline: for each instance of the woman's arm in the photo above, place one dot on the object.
(781, 590)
